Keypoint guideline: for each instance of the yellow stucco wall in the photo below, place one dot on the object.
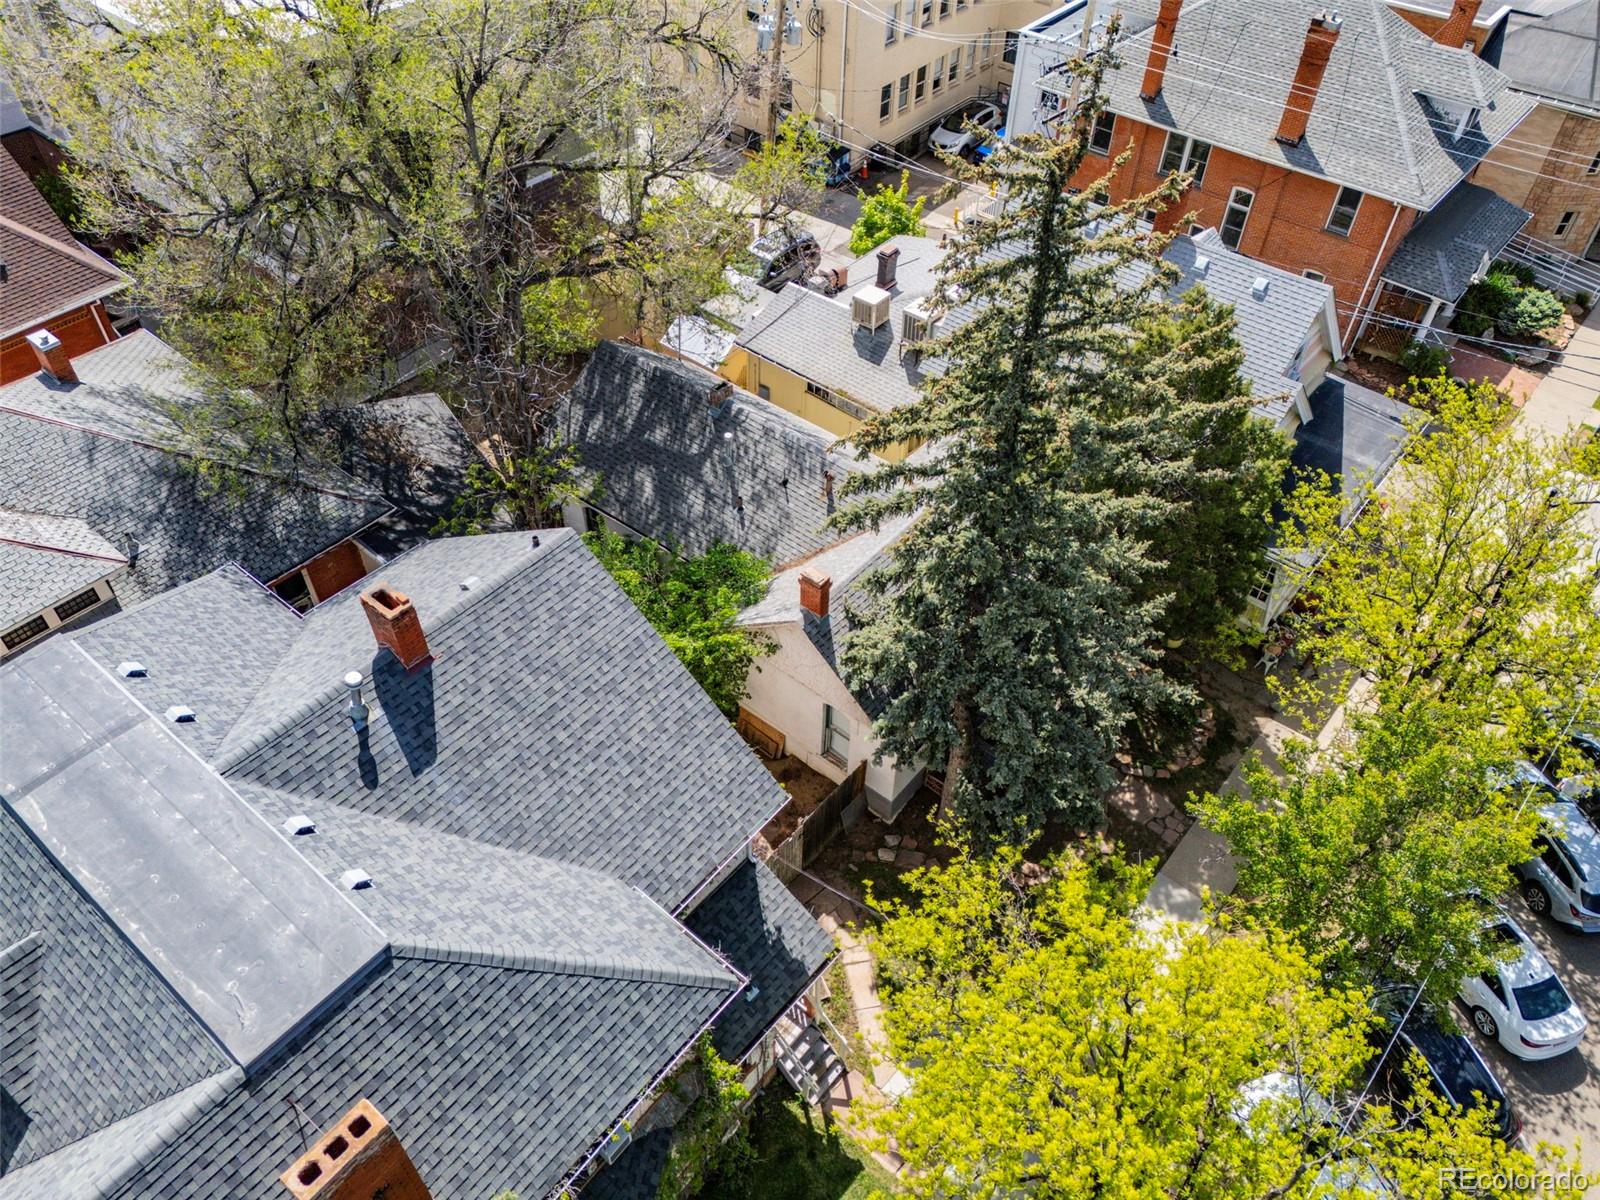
(788, 391)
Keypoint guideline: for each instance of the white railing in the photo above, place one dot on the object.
(1554, 268)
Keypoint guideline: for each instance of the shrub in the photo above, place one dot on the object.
(885, 213)
(1583, 299)
(1533, 310)
(1521, 272)
(1424, 360)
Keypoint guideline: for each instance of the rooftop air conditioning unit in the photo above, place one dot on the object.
(918, 323)
(869, 309)
(621, 1138)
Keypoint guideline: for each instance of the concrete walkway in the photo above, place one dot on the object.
(1565, 399)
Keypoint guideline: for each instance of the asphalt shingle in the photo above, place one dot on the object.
(1445, 250)
(670, 467)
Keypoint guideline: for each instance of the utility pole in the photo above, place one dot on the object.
(775, 73)
(1084, 35)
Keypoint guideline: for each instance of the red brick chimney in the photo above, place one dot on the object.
(53, 356)
(1458, 27)
(358, 1159)
(396, 625)
(1320, 37)
(814, 589)
(1160, 48)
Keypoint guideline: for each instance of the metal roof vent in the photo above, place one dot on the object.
(356, 710)
(299, 825)
(1259, 286)
(180, 714)
(132, 670)
(355, 880)
(1202, 264)
(470, 582)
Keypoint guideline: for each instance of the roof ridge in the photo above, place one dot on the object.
(210, 1091)
(600, 967)
(49, 549)
(78, 253)
(1391, 73)
(227, 760)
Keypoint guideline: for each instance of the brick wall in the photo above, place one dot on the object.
(1288, 216)
(80, 331)
(336, 569)
(1544, 168)
(1431, 22)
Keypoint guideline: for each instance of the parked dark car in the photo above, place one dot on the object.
(1458, 1072)
(784, 256)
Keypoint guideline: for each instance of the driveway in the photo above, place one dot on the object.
(1559, 1099)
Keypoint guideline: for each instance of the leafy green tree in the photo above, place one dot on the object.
(885, 213)
(1059, 1047)
(1210, 546)
(1466, 589)
(525, 491)
(1376, 858)
(712, 1138)
(315, 185)
(1019, 617)
(692, 603)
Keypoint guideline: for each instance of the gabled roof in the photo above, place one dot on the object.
(48, 272)
(674, 469)
(101, 452)
(46, 556)
(1445, 251)
(527, 806)
(1377, 124)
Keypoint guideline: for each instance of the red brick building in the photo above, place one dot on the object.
(1324, 143)
(46, 279)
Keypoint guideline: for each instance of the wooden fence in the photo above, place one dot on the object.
(840, 810)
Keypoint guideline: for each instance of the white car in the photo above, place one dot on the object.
(1520, 1003)
(953, 136)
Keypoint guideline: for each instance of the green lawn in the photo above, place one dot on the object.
(796, 1159)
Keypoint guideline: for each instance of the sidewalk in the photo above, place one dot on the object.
(1566, 396)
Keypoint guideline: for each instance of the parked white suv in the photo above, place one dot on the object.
(952, 134)
(1563, 879)
(1520, 1003)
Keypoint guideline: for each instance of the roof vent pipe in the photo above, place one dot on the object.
(356, 710)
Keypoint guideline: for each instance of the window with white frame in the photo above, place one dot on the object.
(955, 64)
(1345, 206)
(938, 75)
(1010, 54)
(1594, 164)
(905, 91)
(972, 56)
(1105, 125)
(1185, 154)
(988, 48)
(1261, 589)
(944, 9)
(922, 83)
(885, 101)
(835, 736)
(1237, 213)
(927, 13)
(1565, 223)
(892, 25)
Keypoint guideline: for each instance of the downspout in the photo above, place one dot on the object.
(1365, 287)
(844, 53)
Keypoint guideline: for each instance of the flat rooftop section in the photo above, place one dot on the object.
(241, 927)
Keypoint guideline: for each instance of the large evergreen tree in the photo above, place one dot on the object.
(1017, 630)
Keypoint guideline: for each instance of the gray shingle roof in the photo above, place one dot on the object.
(669, 469)
(48, 556)
(813, 335)
(539, 728)
(1354, 436)
(1451, 244)
(91, 452)
(413, 451)
(851, 604)
(1555, 53)
(528, 985)
(759, 926)
(1370, 127)
(112, 1039)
